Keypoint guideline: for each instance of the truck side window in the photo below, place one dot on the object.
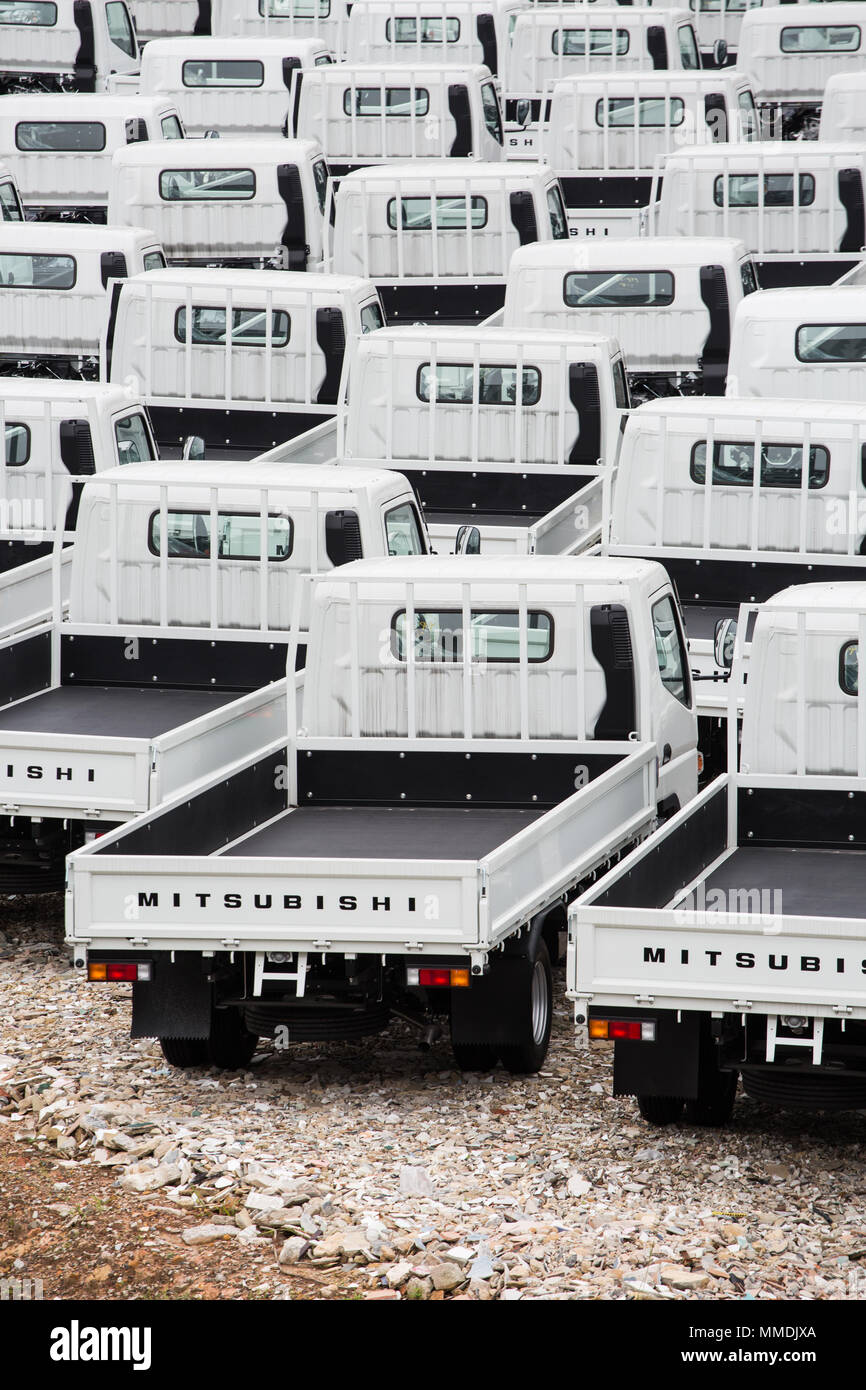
(182, 185)
(781, 464)
(238, 535)
(778, 190)
(492, 114)
(403, 532)
(820, 38)
(154, 260)
(17, 444)
(223, 73)
(600, 42)
(647, 111)
(367, 101)
(670, 651)
(37, 13)
(689, 57)
(749, 127)
(621, 393)
(133, 439)
(749, 277)
(849, 668)
(558, 218)
(416, 214)
(371, 317)
(249, 326)
(60, 135)
(37, 272)
(320, 179)
(424, 29)
(171, 128)
(495, 636)
(120, 27)
(9, 207)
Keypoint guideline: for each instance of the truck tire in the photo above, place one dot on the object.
(715, 1103)
(527, 1052)
(185, 1052)
(475, 1056)
(660, 1110)
(229, 1045)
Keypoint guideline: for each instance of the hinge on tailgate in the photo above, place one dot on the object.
(138, 940)
(644, 999)
(843, 1010)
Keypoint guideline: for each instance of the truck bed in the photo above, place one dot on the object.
(384, 832)
(811, 882)
(112, 711)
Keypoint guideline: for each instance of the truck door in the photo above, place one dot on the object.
(671, 706)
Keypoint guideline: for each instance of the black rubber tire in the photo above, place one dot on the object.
(475, 1056)
(527, 1052)
(715, 1104)
(660, 1110)
(185, 1052)
(230, 1046)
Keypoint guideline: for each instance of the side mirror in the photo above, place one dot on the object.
(211, 135)
(523, 111)
(468, 541)
(720, 52)
(723, 642)
(193, 448)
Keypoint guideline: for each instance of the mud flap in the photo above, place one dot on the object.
(176, 1003)
(670, 1066)
(485, 1012)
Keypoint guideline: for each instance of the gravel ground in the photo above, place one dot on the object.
(376, 1170)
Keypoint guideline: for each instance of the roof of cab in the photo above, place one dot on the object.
(83, 105)
(207, 47)
(638, 253)
(770, 152)
(217, 154)
(843, 596)
(843, 303)
(777, 17)
(726, 408)
(425, 570)
(460, 339)
(575, 18)
(47, 389)
(55, 238)
(376, 73)
(668, 78)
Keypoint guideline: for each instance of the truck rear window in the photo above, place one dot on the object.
(576, 43)
(494, 636)
(424, 29)
(618, 289)
(249, 326)
(189, 185)
(60, 135)
(849, 665)
(17, 444)
(820, 38)
(646, 111)
(40, 16)
(781, 464)
(24, 272)
(234, 72)
(238, 536)
(398, 101)
(416, 213)
(831, 342)
(455, 384)
(778, 190)
(295, 9)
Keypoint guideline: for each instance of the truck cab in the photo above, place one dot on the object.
(513, 432)
(54, 285)
(437, 236)
(375, 114)
(238, 86)
(248, 203)
(279, 373)
(65, 45)
(552, 41)
(674, 325)
(790, 54)
(60, 147)
(604, 134)
(801, 341)
(57, 430)
(798, 207)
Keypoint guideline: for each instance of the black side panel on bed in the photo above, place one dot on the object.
(183, 662)
(659, 875)
(214, 817)
(492, 780)
(770, 816)
(25, 667)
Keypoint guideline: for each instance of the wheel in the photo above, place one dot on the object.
(185, 1052)
(660, 1110)
(229, 1045)
(715, 1103)
(475, 1056)
(532, 1031)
